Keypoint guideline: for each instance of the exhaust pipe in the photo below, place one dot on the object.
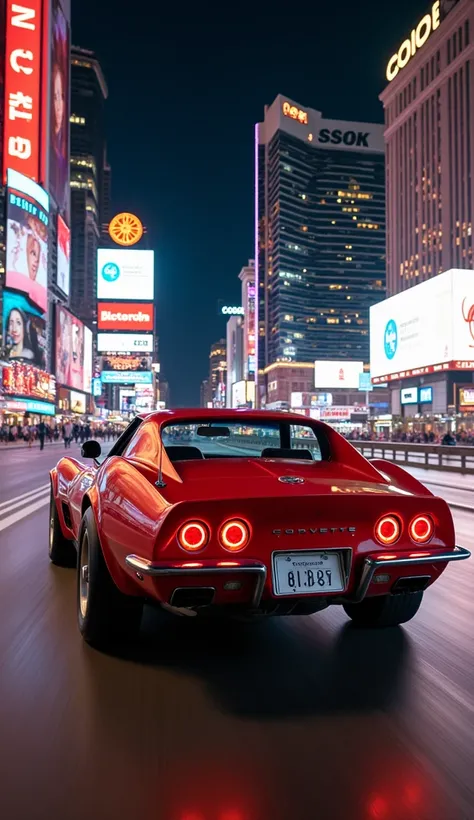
(413, 583)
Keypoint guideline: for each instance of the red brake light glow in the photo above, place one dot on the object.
(421, 529)
(234, 536)
(387, 530)
(193, 536)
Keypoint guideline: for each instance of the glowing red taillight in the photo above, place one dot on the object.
(193, 536)
(421, 529)
(234, 535)
(387, 530)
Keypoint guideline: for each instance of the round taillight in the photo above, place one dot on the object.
(234, 536)
(193, 536)
(421, 529)
(387, 530)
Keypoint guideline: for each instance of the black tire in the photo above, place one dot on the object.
(105, 615)
(385, 610)
(62, 552)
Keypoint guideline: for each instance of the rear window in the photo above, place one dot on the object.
(236, 440)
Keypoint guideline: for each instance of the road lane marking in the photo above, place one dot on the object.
(14, 505)
(19, 498)
(15, 517)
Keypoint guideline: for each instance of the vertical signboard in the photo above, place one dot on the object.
(22, 88)
(59, 110)
(250, 330)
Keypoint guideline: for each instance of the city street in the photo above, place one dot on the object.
(293, 718)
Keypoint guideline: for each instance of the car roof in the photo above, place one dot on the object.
(242, 414)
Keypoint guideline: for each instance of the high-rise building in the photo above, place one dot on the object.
(235, 354)
(217, 373)
(247, 278)
(90, 178)
(205, 393)
(429, 134)
(320, 234)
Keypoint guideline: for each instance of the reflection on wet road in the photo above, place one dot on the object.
(285, 719)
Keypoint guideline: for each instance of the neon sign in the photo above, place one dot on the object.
(295, 113)
(22, 88)
(418, 37)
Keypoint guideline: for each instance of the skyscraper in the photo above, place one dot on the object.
(90, 178)
(320, 234)
(429, 134)
(217, 373)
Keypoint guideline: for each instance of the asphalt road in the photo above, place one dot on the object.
(294, 718)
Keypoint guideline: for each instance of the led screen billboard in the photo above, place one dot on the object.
(130, 362)
(427, 328)
(143, 398)
(124, 343)
(22, 65)
(27, 238)
(78, 402)
(127, 401)
(126, 377)
(29, 381)
(330, 374)
(117, 316)
(125, 274)
(73, 345)
(24, 330)
(59, 110)
(64, 255)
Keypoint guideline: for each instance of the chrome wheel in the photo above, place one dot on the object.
(84, 574)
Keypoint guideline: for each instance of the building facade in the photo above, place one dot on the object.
(234, 354)
(217, 373)
(320, 234)
(429, 134)
(90, 178)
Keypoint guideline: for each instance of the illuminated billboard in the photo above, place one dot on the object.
(143, 398)
(64, 255)
(428, 328)
(73, 345)
(124, 343)
(117, 316)
(78, 402)
(27, 238)
(127, 401)
(22, 65)
(29, 381)
(126, 377)
(243, 394)
(24, 330)
(331, 375)
(59, 109)
(125, 229)
(124, 274)
(125, 362)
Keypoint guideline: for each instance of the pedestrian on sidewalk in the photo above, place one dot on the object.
(67, 434)
(41, 433)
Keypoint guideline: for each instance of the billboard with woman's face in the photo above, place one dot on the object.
(69, 349)
(24, 330)
(59, 112)
(27, 238)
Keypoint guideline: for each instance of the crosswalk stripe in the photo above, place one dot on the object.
(24, 496)
(17, 516)
(15, 504)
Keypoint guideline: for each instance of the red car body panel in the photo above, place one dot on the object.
(336, 507)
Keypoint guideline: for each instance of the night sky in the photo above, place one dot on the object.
(185, 89)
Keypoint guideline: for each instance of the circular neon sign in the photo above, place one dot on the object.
(126, 229)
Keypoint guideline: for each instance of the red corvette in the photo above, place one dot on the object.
(243, 512)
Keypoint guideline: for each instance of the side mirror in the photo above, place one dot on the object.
(91, 449)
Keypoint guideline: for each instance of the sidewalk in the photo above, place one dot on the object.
(21, 445)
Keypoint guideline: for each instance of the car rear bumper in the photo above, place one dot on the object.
(250, 569)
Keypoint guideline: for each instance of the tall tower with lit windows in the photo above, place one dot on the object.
(320, 234)
(89, 178)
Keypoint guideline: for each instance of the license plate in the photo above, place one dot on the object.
(307, 573)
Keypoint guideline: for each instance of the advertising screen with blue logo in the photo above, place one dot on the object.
(126, 377)
(125, 274)
(390, 339)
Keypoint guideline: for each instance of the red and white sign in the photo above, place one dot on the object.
(120, 316)
(64, 253)
(22, 88)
